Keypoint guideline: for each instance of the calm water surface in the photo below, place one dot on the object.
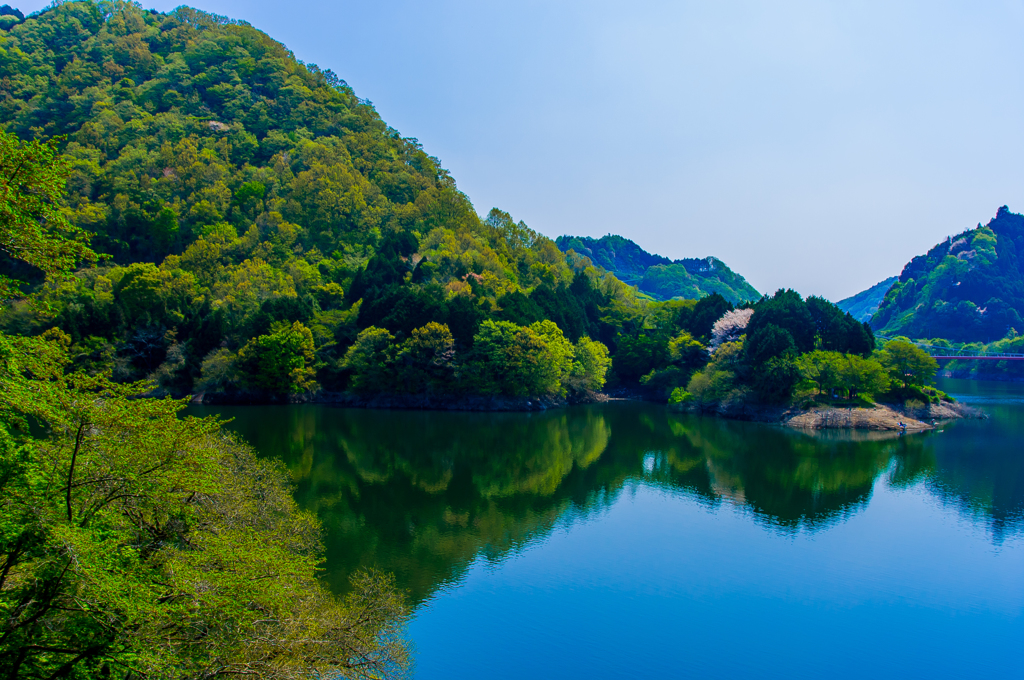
(622, 541)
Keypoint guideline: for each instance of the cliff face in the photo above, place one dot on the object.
(969, 288)
(659, 276)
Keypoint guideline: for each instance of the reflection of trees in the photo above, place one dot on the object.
(421, 494)
(794, 479)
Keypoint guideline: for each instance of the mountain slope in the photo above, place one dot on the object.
(658, 276)
(969, 288)
(864, 304)
(250, 202)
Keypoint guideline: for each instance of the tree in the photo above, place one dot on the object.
(591, 365)
(837, 331)
(824, 369)
(787, 310)
(281, 362)
(427, 359)
(908, 363)
(518, 360)
(864, 376)
(768, 342)
(34, 228)
(730, 327)
(137, 543)
(370, 361)
(709, 387)
(687, 352)
(775, 380)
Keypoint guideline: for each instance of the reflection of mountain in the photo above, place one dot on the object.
(421, 494)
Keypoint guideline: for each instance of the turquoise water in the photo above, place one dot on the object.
(621, 541)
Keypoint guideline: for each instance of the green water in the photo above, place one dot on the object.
(551, 544)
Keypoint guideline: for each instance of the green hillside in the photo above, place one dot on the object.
(864, 304)
(658, 276)
(249, 202)
(969, 288)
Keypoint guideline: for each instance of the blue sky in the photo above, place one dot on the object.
(813, 145)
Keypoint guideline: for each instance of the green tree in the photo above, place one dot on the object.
(825, 369)
(908, 363)
(768, 342)
(427, 359)
(590, 366)
(776, 379)
(709, 387)
(786, 310)
(864, 376)
(370, 361)
(519, 361)
(34, 227)
(282, 362)
(137, 543)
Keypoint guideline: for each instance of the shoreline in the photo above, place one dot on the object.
(879, 418)
(409, 402)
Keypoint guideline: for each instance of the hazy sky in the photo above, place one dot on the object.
(813, 145)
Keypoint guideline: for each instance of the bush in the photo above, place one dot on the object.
(680, 396)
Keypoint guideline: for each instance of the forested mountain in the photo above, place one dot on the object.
(241, 194)
(658, 276)
(864, 304)
(969, 288)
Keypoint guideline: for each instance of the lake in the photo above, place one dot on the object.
(624, 541)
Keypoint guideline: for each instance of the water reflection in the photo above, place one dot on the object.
(422, 494)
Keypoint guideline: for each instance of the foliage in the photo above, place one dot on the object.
(769, 342)
(847, 373)
(427, 360)
(590, 366)
(776, 378)
(134, 541)
(908, 364)
(679, 396)
(686, 354)
(717, 382)
(267, 230)
(370, 360)
(521, 361)
(969, 288)
(281, 362)
(787, 311)
(34, 228)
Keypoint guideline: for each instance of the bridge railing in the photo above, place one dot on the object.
(940, 352)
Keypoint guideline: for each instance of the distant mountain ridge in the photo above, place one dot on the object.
(864, 304)
(658, 276)
(969, 288)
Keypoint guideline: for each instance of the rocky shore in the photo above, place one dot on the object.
(880, 418)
